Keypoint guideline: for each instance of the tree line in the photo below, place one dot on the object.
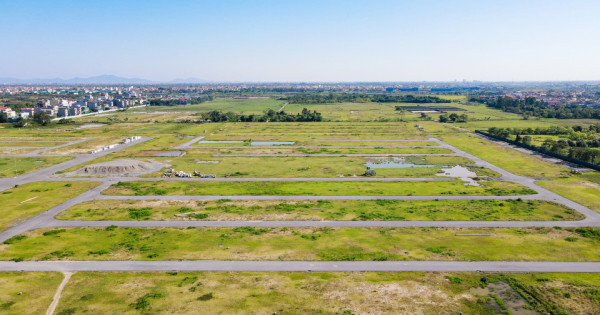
(269, 115)
(314, 98)
(583, 149)
(530, 106)
(174, 102)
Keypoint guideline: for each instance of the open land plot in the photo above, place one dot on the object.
(87, 146)
(324, 293)
(324, 243)
(240, 106)
(25, 201)
(13, 151)
(579, 188)
(291, 188)
(355, 111)
(322, 143)
(323, 150)
(27, 292)
(9, 166)
(314, 166)
(39, 144)
(514, 161)
(252, 210)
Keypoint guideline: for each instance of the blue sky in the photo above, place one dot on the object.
(304, 40)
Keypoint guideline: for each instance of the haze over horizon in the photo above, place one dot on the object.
(271, 41)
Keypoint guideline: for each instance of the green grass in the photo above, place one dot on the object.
(577, 189)
(251, 243)
(454, 187)
(37, 290)
(267, 293)
(517, 210)
(27, 164)
(514, 161)
(25, 201)
(315, 166)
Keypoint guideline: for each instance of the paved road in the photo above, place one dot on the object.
(279, 179)
(303, 266)
(43, 174)
(188, 144)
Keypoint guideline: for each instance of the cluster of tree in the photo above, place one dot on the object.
(41, 119)
(314, 98)
(573, 150)
(530, 106)
(553, 130)
(174, 102)
(3, 118)
(269, 115)
(454, 118)
(581, 149)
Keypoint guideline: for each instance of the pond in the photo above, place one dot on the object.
(170, 154)
(220, 141)
(393, 163)
(272, 142)
(460, 172)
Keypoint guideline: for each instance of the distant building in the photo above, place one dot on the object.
(8, 111)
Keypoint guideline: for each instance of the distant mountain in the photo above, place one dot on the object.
(101, 79)
(188, 80)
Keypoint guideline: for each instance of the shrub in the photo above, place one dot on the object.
(205, 297)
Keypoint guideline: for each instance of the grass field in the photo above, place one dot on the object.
(514, 161)
(517, 210)
(315, 166)
(37, 289)
(370, 188)
(27, 164)
(20, 203)
(578, 189)
(320, 293)
(250, 243)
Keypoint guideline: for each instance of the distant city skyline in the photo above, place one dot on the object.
(302, 41)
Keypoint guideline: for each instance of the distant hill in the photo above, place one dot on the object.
(101, 79)
(188, 80)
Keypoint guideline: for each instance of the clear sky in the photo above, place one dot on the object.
(302, 40)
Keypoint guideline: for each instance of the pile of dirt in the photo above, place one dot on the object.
(123, 167)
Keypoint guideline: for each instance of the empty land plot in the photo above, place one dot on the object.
(514, 161)
(251, 210)
(87, 146)
(11, 166)
(314, 166)
(321, 293)
(40, 144)
(309, 188)
(311, 143)
(579, 189)
(323, 150)
(327, 244)
(20, 203)
(27, 292)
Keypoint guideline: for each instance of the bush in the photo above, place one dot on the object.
(15, 239)
(206, 297)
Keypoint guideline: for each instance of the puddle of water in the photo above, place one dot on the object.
(220, 141)
(272, 142)
(211, 162)
(460, 172)
(170, 153)
(38, 161)
(393, 163)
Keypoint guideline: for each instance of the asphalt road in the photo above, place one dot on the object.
(303, 266)
(325, 154)
(46, 219)
(43, 174)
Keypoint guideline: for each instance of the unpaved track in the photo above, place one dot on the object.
(56, 298)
